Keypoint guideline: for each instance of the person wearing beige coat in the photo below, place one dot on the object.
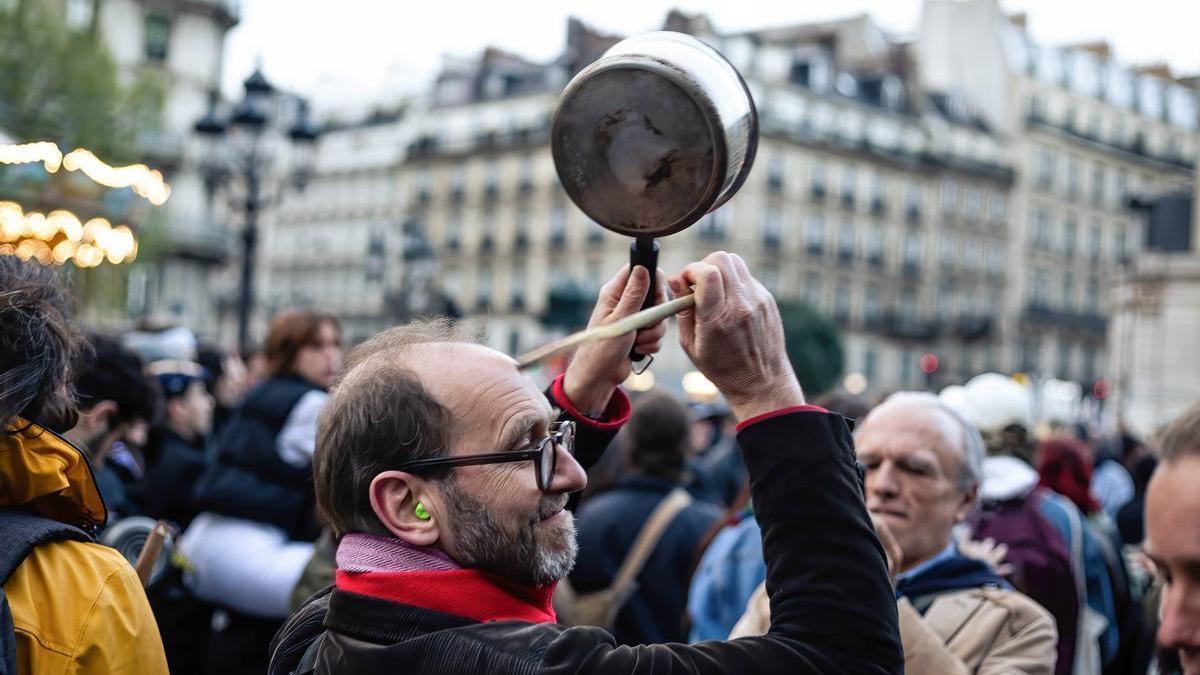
(957, 615)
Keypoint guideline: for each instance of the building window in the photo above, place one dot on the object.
(813, 288)
(845, 241)
(849, 186)
(1098, 183)
(1031, 347)
(770, 279)
(1068, 289)
(949, 197)
(517, 285)
(908, 303)
(945, 300)
(1045, 168)
(1064, 360)
(971, 253)
(912, 202)
(906, 367)
(878, 194)
(948, 252)
(483, 285)
(995, 257)
(818, 181)
(773, 226)
(1041, 229)
(841, 301)
(1069, 234)
(912, 249)
(1095, 241)
(871, 304)
(558, 225)
(814, 234)
(1074, 176)
(454, 230)
(1092, 299)
(775, 173)
(874, 244)
(997, 207)
(869, 366)
(972, 203)
(157, 36)
(1039, 289)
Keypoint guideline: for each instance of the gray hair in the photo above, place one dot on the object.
(971, 447)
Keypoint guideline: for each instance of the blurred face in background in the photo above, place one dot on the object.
(320, 360)
(192, 413)
(913, 459)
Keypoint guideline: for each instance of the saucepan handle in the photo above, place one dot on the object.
(644, 251)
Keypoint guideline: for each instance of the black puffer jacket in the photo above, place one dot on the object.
(832, 607)
(248, 478)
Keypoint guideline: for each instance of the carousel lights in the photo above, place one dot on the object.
(60, 236)
(144, 181)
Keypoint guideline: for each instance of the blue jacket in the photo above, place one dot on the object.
(729, 571)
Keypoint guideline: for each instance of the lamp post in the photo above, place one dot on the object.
(239, 157)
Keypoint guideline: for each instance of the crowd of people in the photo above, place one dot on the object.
(420, 503)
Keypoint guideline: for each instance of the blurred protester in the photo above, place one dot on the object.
(1131, 519)
(718, 474)
(1173, 537)
(68, 604)
(731, 564)
(1111, 481)
(957, 615)
(622, 529)
(446, 473)
(176, 459)
(117, 401)
(254, 536)
(178, 453)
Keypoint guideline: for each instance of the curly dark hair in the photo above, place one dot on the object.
(40, 349)
(114, 373)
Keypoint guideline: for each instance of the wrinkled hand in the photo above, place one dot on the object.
(895, 555)
(987, 550)
(598, 367)
(735, 336)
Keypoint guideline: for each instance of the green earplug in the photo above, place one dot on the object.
(420, 511)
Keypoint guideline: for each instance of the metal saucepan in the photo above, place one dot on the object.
(656, 133)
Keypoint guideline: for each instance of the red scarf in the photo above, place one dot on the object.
(473, 594)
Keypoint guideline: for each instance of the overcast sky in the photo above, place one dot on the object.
(347, 54)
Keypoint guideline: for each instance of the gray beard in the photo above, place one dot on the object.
(513, 550)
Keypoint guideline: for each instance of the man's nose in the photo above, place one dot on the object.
(569, 475)
(881, 481)
(1180, 626)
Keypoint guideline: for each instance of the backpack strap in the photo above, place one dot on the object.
(648, 537)
(21, 531)
(308, 662)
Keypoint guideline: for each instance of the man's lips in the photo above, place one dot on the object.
(894, 513)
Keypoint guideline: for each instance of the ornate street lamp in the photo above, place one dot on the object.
(240, 155)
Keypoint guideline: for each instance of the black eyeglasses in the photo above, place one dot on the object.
(544, 455)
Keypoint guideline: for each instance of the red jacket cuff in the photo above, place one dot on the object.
(782, 411)
(615, 415)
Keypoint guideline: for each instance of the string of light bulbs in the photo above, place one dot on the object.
(59, 236)
(145, 182)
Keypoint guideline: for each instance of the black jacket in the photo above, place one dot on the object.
(833, 609)
(171, 477)
(248, 478)
(608, 523)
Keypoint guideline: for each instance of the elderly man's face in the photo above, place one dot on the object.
(498, 520)
(1173, 543)
(913, 458)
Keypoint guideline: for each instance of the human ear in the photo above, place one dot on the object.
(394, 498)
(967, 504)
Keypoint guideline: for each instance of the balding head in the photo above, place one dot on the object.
(923, 466)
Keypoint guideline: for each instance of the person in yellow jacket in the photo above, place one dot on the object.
(77, 607)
